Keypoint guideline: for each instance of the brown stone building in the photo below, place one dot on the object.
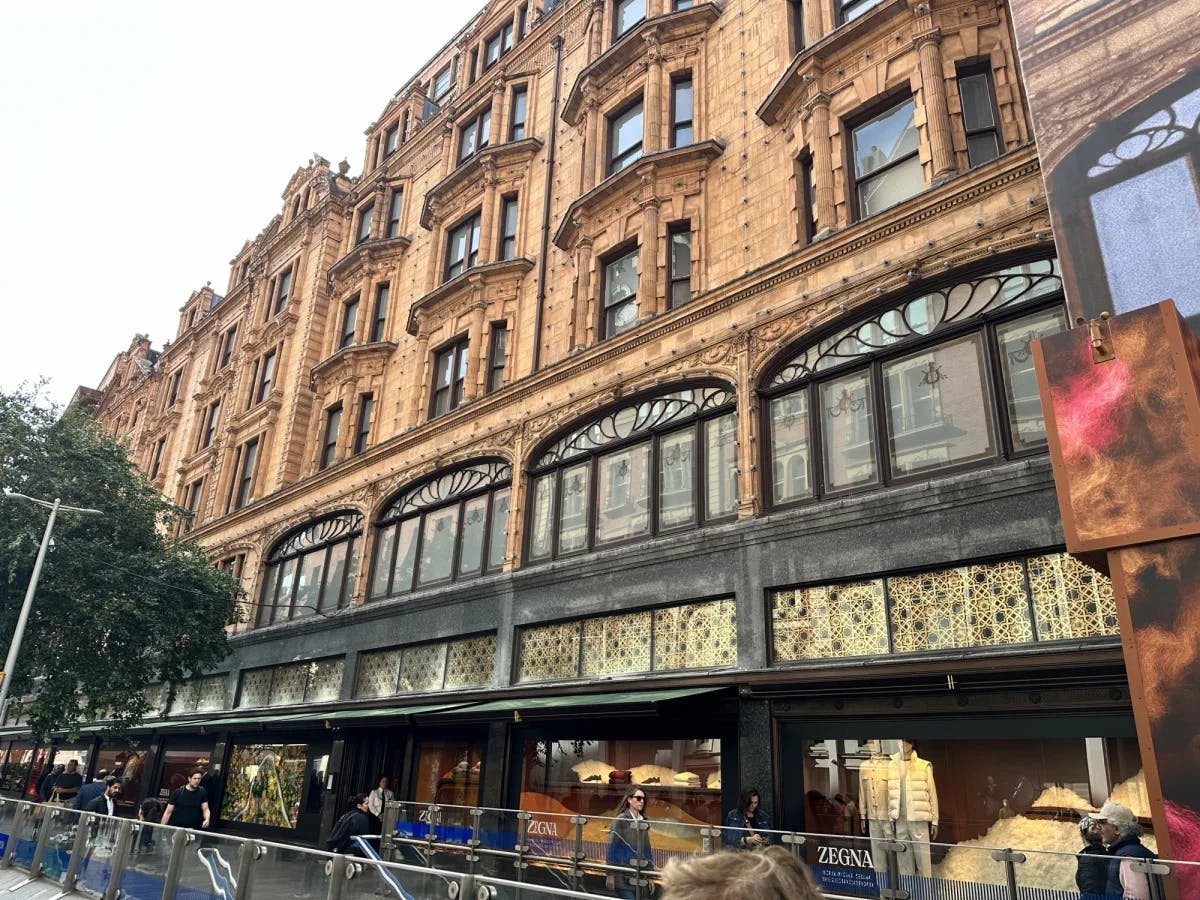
(658, 394)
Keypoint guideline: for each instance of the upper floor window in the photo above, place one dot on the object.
(887, 169)
(679, 264)
(441, 83)
(283, 289)
(228, 342)
(681, 110)
(619, 290)
(462, 247)
(312, 569)
(625, 137)
(266, 373)
(473, 135)
(980, 118)
(156, 462)
(211, 419)
(173, 393)
(516, 120)
(806, 200)
(379, 322)
(191, 502)
(497, 356)
(849, 10)
(391, 139)
(666, 462)
(449, 378)
(333, 425)
(626, 14)
(508, 228)
(796, 25)
(365, 215)
(497, 45)
(349, 322)
(677, 5)
(877, 401)
(451, 527)
(362, 432)
(247, 458)
(395, 207)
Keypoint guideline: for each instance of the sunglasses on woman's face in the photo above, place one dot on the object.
(639, 797)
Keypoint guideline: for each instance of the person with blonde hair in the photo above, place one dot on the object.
(773, 874)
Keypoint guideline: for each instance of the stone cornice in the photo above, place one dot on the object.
(365, 252)
(790, 85)
(677, 159)
(260, 413)
(351, 357)
(476, 168)
(634, 45)
(479, 276)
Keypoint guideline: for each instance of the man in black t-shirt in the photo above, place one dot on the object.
(188, 806)
(68, 783)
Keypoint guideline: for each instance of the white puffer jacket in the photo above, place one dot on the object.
(919, 790)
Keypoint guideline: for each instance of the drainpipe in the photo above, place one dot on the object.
(556, 43)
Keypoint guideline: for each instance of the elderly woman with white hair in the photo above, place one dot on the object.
(1119, 829)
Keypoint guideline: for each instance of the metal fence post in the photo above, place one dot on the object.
(1008, 857)
(251, 851)
(796, 843)
(476, 839)
(1150, 868)
(18, 825)
(642, 862)
(338, 868)
(78, 849)
(43, 838)
(119, 858)
(522, 846)
(387, 840)
(892, 849)
(577, 854)
(178, 848)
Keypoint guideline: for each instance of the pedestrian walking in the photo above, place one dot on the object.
(357, 821)
(1120, 831)
(627, 842)
(744, 825)
(188, 806)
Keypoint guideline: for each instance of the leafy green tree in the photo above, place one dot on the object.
(120, 605)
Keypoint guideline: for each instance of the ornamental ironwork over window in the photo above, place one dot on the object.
(659, 464)
(452, 665)
(449, 527)
(941, 380)
(312, 569)
(317, 681)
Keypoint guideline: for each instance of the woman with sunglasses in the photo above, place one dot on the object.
(625, 840)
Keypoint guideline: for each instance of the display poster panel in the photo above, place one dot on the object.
(269, 784)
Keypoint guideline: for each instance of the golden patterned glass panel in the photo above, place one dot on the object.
(377, 674)
(256, 688)
(185, 697)
(830, 621)
(289, 685)
(616, 645)
(324, 680)
(423, 668)
(470, 662)
(697, 635)
(156, 697)
(549, 651)
(1070, 599)
(969, 606)
(211, 693)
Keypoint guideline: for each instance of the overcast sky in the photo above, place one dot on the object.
(144, 142)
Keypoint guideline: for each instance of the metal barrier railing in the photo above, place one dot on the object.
(437, 851)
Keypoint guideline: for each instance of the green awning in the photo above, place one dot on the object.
(581, 703)
(313, 718)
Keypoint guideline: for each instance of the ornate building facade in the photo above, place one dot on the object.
(659, 394)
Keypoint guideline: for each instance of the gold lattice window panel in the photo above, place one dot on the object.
(289, 685)
(324, 680)
(469, 662)
(185, 697)
(1070, 599)
(549, 651)
(156, 698)
(695, 636)
(968, 606)
(256, 688)
(830, 621)
(616, 645)
(423, 668)
(211, 693)
(377, 674)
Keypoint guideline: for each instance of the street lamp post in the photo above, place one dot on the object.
(14, 648)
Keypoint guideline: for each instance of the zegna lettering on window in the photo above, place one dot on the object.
(844, 856)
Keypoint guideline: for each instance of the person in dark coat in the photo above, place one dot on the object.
(1091, 869)
(106, 803)
(356, 822)
(744, 825)
(91, 790)
(1120, 830)
(46, 785)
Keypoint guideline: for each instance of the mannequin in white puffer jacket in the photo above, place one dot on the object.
(913, 806)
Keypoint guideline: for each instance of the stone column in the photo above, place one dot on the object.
(652, 109)
(814, 21)
(433, 273)
(601, 16)
(416, 380)
(592, 141)
(649, 301)
(477, 345)
(487, 215)
(937, 114)
(499, 113)
(816, 116)
(583, 292)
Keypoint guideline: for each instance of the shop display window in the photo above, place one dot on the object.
(565, 778)
(23, 766)
(129, 765)
(273, 785)
(447, 776)
(963, 795)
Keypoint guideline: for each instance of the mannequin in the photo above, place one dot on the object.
(873, 802)
(912, 806)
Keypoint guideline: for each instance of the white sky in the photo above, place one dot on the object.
(144, 142)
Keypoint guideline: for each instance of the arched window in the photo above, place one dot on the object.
(659, 464)
(448, 527)
(933, 382)
(312, 569)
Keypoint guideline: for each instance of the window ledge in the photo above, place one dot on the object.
(364, 252)
(351, 358)
(677, 159)
(789, 88)
(488, 274)
(632, 46)
(470, 173)
(259, 413)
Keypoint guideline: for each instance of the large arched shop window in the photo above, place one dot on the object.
(446, 528)
(312, 569)
(659, 464)
(932, 382)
